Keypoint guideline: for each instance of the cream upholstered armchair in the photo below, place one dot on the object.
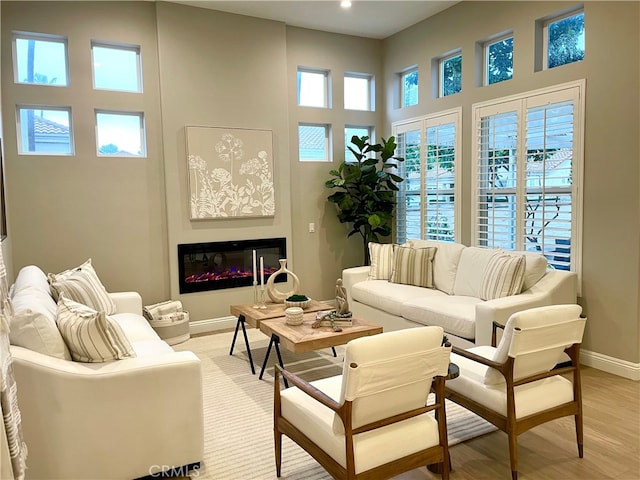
(371, 422)
(525, 381)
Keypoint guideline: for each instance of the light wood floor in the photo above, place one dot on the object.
(611, 407)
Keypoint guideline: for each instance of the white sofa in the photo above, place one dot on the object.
(455, 303)
(118, 419)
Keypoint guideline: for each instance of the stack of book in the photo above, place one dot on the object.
(325, 320)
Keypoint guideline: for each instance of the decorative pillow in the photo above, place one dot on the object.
(381, 256)
(503, 276)
(33, 323)
(413, 266)
(82, 285)
(91, 336)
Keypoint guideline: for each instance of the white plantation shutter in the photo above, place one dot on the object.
(428, 205)
(527, 174)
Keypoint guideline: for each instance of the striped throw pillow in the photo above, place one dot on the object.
(381, 257)
(91, 336)
(82, 285)
(503, 276)
(413, 266)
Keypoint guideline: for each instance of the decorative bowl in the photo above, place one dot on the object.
(301, 304)
(294, 315)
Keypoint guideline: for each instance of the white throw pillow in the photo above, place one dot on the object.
(413, 266)
(31, 277)
(445, 262)
(381, 257)
(471, 268)
(33, 323)
(82, 285)
(535, 268)
(91, 336)
(503, 276)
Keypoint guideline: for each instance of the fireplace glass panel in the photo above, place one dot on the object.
(219, 265)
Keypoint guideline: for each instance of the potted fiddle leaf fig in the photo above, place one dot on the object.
(365, 189)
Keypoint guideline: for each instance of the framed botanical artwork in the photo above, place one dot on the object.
(230, 172)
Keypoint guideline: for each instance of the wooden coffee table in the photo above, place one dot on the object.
(254, 316)
(303, 338)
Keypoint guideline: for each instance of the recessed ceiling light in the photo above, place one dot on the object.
(345, 4)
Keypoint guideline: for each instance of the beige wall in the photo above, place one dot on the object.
(65, 209)
(320, 257)
(204, 67)
(221, 70)
(611, 231)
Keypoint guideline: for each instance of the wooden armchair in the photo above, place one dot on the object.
(523, 381)
(372, 421)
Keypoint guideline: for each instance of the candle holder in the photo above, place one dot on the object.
(256, 303)
(262, 305)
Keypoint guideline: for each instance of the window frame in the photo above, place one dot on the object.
(485, 56)
(347, 141)
(68, 109)
(521, 104)
(143, 132)
(45, 37)
(326, 86)
(422, 125)
(370, 91)
(441, 61)
(118, 46)
(327, 143)
(401, 76)
(545, 36)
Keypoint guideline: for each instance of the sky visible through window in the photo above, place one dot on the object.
(114, 68)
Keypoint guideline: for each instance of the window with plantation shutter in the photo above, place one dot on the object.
(428, 203)
(527, 173)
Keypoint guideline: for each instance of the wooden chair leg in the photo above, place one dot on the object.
(579, 434)
(278, 450)
(513, 454)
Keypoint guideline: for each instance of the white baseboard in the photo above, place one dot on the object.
(612, 365)
(212, 325)
(602, 362)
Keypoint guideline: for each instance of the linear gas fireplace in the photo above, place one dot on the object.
(218, 265)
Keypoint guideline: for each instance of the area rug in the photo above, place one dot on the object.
(238, 409)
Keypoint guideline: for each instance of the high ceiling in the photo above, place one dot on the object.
(366, 18)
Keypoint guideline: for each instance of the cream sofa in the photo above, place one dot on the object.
(455, 303)
(119, 419)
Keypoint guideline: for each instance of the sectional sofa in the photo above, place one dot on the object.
(462, 289)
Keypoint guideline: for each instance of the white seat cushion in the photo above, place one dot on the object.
(371, 448)
(530, 398)
(135, 327)
(456, 314)
(389, 297)
(151, 348)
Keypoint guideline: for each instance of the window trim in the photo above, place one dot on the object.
(370, 91)
(544, 25)
(528, 99)
(118, 46)
(143, 132)
(46, 37)
(328, 143)
(485, 56)
(327, 86)
(401, 76)
(23, 106)
(441, 62)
